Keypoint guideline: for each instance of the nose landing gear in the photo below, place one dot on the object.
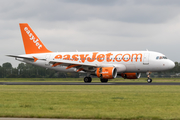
(149, 80)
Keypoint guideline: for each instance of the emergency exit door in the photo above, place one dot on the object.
(146, 59)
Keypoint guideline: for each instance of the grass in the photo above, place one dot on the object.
(90, 102)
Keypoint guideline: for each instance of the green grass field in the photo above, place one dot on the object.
(90, 102)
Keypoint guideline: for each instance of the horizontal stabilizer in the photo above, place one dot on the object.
(23, 57)
(17, 56)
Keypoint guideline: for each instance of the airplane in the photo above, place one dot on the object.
(103, 64)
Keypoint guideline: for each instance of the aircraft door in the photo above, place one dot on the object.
(146, 59)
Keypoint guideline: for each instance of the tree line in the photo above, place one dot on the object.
(25, 70)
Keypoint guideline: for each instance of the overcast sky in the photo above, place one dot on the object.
(92, 25)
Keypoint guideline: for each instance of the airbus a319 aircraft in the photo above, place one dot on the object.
(105, 65)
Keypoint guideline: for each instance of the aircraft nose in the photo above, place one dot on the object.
(171, 64)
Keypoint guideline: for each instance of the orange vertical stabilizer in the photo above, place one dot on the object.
(32, 44)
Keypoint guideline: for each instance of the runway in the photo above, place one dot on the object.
(93, 83)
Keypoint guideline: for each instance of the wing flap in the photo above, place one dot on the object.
(67, 63)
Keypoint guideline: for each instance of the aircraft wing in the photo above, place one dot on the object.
(75, 64)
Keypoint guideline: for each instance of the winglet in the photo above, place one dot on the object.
(32, 44)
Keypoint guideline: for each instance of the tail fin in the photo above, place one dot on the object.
(32, 44)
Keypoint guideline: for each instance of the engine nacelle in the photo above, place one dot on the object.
(131, 75)
(106, 72)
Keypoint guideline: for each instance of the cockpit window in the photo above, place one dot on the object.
(164, 57)
(161, 57)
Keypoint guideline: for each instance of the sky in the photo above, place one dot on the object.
(92, 25)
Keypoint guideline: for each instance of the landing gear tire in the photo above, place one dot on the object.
(104, 80)
(149, 80)
(87, 79)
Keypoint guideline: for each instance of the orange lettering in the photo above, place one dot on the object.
(93, 57)
(66, 57)
(136, 57)
(100, 57)
(83, 58)
(75, 57)
(58, 57)
(108, 57)
(117, 56)
(127, 59)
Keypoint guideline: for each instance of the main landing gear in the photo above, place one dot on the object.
(87, 79)
(149, 80)
(104, 80)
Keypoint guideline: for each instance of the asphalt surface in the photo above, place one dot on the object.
(93, 83)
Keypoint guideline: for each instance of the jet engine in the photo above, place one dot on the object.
(131, 75)
(106, 72)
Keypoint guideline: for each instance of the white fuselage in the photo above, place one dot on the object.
(125, 61)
